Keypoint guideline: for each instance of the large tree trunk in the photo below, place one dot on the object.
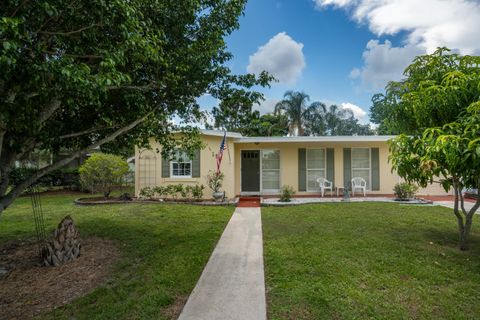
(65, 245)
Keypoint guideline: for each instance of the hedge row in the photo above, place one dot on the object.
(174, 191)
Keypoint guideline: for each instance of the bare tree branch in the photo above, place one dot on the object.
(68, 33)
(81, 133)
(6, 200)
(139, 88)
(76, 56)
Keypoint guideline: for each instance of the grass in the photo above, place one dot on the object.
(368, 261)
(165, 248)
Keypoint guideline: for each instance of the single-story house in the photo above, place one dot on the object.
(262, 165)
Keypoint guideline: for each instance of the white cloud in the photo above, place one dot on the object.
(428, 23)
(266, 106)
(358, 112)
(384, 63)
(281, 56)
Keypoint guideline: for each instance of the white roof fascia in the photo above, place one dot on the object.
(314, 139)
(220, 133)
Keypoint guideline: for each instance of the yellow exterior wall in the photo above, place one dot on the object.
(231, 165)
(289, 162)
(207, 163)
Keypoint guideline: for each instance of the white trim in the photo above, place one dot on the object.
(173, 176)
(369, 184)
(306, 166)
(220, 133)
(279, 171)
(261, 191)
(315, 139)
(180, 177)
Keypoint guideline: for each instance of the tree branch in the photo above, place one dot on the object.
(69, 32)
(49, 111)
(477, 203)
(5, 201)
(18, 8)
(84, 132)
(139, 88)
(75, 56)
(455, 205)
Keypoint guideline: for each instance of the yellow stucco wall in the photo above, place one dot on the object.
(289, 162)
(207, 163)
(231, 165)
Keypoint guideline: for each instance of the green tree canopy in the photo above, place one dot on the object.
(267, 125)
(436, 90)
(79, 75)
(342, 122)
(448, 154)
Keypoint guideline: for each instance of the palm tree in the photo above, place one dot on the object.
(294, 106)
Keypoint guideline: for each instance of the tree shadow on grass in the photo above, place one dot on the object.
(160, 263)
(425, 239)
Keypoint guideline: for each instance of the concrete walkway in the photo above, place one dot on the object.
(232, 284)
(450, 204)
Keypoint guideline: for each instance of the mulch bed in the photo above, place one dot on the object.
(28, 289)
(91, 201)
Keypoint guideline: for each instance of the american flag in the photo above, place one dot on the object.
(223, 146)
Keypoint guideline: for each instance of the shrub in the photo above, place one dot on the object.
(159, 191)
(102, 171)
(215, 180)
(405, 190)
(126, 197)
(177, 189)
(147, 192)
(286, 193)
(197, 192)
(185, 193)
(168, 190)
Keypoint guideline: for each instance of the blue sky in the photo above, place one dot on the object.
(344, 51)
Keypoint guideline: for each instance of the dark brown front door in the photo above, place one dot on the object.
(250, 170)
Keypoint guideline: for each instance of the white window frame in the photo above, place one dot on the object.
(173, 176)
(279, 171)
(306, 166)
(369, 183)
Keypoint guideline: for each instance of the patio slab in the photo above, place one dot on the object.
(232, 285)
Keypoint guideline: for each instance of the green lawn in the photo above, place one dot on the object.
(165, 248)
(368, 260)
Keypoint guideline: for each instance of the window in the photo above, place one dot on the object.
(361, 164)
(271, 170)
(316, 167)
(181, 166)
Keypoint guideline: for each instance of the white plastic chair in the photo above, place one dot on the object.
(359, 183)
(324, 184)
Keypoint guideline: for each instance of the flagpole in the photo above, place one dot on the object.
(228, 149)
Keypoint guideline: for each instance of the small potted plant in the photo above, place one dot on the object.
(215, 181)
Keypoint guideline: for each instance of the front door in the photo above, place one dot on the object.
(250, 171)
